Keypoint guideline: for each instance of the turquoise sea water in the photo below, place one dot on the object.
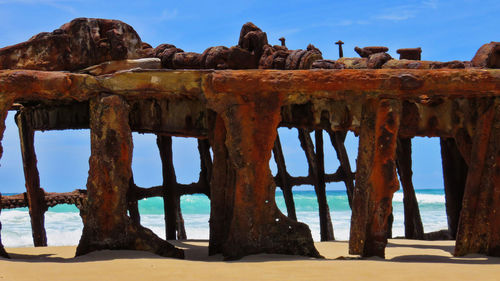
(63, 223)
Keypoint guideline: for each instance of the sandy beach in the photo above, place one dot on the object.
(405, 259)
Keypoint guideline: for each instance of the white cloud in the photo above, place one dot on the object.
(404, 12)
(48, 2)
(398, 13)
(362, 22)
(286, 32)
(167, 15)
(433, 4)
(345, 22)
(63, 5)
(395, 17)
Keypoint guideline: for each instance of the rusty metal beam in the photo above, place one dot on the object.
(434, 101)
(51, 199)
(35, 194)
(346, 84)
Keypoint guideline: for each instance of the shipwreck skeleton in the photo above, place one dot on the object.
(236, 113)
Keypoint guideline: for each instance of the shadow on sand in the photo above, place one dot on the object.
(197, 250)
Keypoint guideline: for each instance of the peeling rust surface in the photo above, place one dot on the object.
(32, 85)
(75, 45)
(479, 225)
(5, 104)
(106, 224)
(340, 84)
(330, 84)
(376, 179)
(244, 135)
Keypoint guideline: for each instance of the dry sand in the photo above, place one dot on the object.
(405, 260)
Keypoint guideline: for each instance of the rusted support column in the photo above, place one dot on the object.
(106, 224)
(5, 104)
(221, 189)
(36, 201)
(324, 211)
(455, 175)
(133, 204)
(205, 165)
(181, 230)
(413, 223)
(244, 217)
(479, 226)
(315, 171)
(337, 139)
(133, 209)
(283, 176)
(376, 179)
(174, 224)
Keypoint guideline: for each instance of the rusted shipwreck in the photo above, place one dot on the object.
(98, 74)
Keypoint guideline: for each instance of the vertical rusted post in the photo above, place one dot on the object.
(221, 193)
(479, 225)
(106, 224)
(326, 227)
(205, 164)
(244, 217)
(5, 104)
(376, 179)
(413, 223)
(325, 220)
(133, 205)
(36, 198)
(133, 210)
(283, 177)
(181, 230)
(282, 40)
(171, 199)
(455, 176)
(341, 52)
(337, 139)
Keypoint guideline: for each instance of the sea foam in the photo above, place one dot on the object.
(64, 225)
(422, 198)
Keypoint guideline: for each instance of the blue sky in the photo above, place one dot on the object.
(445, 30)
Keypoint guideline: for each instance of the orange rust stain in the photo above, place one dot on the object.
(251, 122)
(383, 176)
(5, 104)
(31, 84)
(391, 82)
(125, 153)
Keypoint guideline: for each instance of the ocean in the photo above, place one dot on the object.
(64, 226)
